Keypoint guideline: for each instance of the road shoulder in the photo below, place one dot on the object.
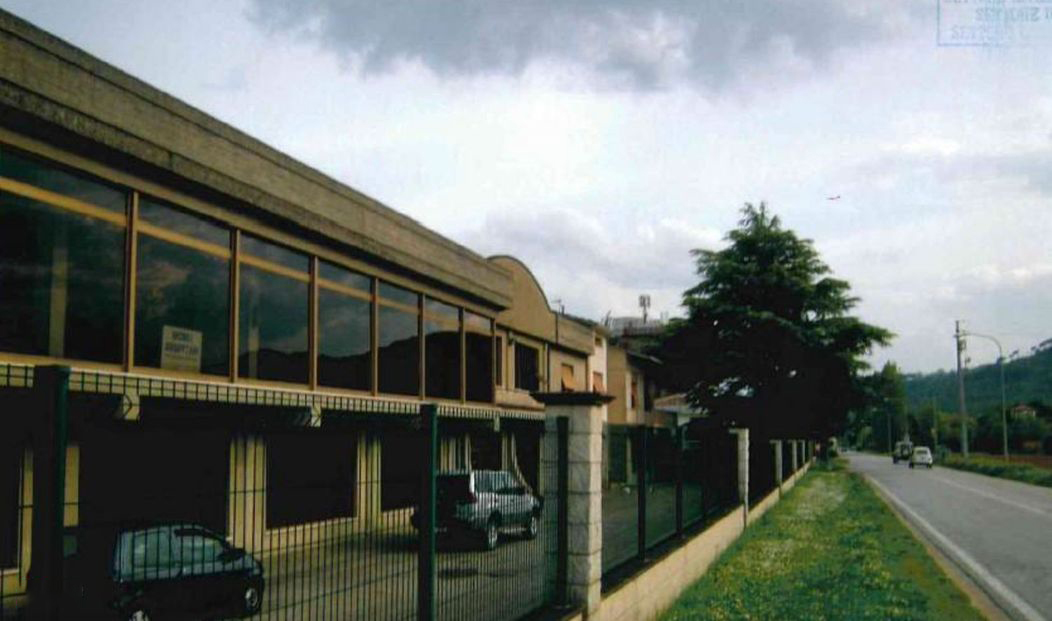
(976, 594)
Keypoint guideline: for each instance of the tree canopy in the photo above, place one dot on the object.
(768, 340)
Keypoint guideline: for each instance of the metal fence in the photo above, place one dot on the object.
(659, 484)
(179, 508)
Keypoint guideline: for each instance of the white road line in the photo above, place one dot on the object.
(1006, 501)
(978, 571)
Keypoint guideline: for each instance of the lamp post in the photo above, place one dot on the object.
(1000, 363)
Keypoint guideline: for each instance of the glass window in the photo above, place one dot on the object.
(526, 366)
(150, 549)
(345, 277)
(272, 326)
(344, 341)
(182, 308)
(310, 477)
(400, 464)
(398, 294)
(61, 282)
(478, 341)
(53, 178)
(172, 219)
(569, 382)
(399, 351)
(498, 375)
(198, 552)
(442, 350)
(274, 253)
(10, 501)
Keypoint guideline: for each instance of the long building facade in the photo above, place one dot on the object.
(247, 336)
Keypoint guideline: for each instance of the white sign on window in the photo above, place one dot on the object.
(181, 349)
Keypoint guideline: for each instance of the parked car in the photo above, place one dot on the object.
(903, 450)
(169, 571)
(921, 456)
(484, 503)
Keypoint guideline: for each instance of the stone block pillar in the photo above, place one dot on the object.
(743, 468)
(778, 464)
(586, 413)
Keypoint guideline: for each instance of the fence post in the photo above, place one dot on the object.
(794, 444)
(641, 492)
(778, 474)
(425, 595)
(584, 489)
(680, 433)
(562, 583)
(51, 386)
(743, 469)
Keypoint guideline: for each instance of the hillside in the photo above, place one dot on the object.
(1026, 379)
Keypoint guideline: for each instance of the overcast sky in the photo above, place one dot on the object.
(600, 141)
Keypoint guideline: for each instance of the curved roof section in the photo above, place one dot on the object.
(529, 311)
(531, 314)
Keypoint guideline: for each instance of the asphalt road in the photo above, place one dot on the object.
(998, 532)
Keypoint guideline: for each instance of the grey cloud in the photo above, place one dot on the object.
(632, 43)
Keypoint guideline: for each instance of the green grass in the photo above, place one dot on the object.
(996, 467)
(830, 550)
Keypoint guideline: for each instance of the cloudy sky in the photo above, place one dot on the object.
(601, 141)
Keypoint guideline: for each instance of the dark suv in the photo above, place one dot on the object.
(170, 571)
(485, 502)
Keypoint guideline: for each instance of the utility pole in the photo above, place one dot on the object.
(960, 389)
(934, 426)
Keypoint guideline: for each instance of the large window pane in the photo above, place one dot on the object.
(53, 178)
(61, 282)
(272, 326)
(442, 350)
(399, 345)
(344, 341)
(400, 464)
(398, 294)
(182, 308)
(10, 502)
(345, 277)
(310, 477)
(262, 249)
(159, 214)
(526, 367)
(478, 341)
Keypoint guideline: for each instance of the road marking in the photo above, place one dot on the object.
(995, 497)
(977, 570)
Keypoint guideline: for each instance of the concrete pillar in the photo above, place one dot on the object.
(586, 413)
(743, 468)
(778, 464)
(796, 462)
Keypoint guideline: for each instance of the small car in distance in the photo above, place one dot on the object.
(921, 456)
(169, 571)
(903, 451)
(485, 503)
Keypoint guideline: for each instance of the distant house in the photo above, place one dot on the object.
(1023, 412)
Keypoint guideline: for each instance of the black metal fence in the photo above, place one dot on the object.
(181, 509)
(659, 484)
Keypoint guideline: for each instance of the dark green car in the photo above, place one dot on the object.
(169, 571)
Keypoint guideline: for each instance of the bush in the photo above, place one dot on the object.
(996, 468)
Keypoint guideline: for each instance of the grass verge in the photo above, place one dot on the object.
(830, 550)
(996, 467)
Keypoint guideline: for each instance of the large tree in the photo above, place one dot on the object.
(768, 341)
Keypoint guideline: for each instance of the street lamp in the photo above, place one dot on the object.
(1000, 363)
